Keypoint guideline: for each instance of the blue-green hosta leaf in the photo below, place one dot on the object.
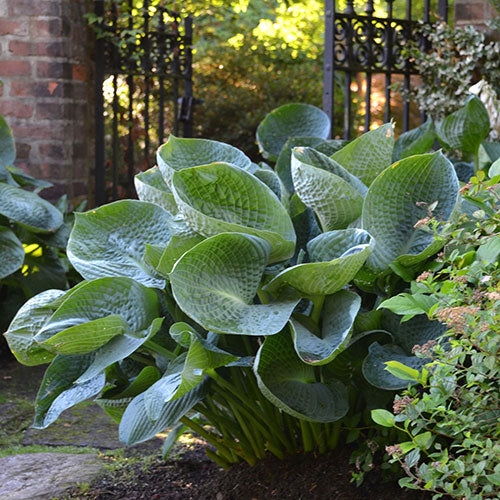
(7, 145)
(111, 240)
(183, 239)
(136, 426)
(374, 365)
(59, 391)
(272, 181)
(99, 299)
(201, 357)
(336, 257)
(87, 337)
(339, 312)
(418, 330)
(119, 348)
(369, 154)
(11, 252)
(151, 187)
(29, 210)
(290, 120)
(283, 165)
(494, 169)
(415, 142)
(28, 321)
(291, 384)
(219, 198)
(327, 188)
(215, 283)
(397, 200)
(304, 222)
(466, 128)
(177, 154)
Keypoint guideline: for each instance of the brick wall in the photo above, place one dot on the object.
(46, 96)
(475, 13)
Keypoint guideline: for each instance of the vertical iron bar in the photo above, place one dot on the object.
(328, 63)
(188, 77)
(443, 10)
(368, 92)
(427, 11)
(99, 174)
(161, 82)
(147, 68)
(347, 105)
(349, 10)
(388, 61)
(130, 84)
(176, 73)
(116, 66)
(406, 84)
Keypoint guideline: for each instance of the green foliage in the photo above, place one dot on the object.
(242, 304)
(451, 416)
(33, 234)
(451, 65)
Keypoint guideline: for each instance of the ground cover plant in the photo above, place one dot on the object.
(33, 234)
(240, 300)
(451, 412)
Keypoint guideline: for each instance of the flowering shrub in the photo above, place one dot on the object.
(451, 413)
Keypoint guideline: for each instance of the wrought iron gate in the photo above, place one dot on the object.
(363, 44)
(143, 89)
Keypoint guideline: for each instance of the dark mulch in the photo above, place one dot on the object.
(194, 477)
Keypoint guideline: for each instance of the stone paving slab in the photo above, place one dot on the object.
(45, 476)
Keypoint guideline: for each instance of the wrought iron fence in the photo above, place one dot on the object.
(143, 89)
(366, 44)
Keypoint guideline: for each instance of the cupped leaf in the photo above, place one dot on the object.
(59, 391)
(26, 324)
(151, 187)
(136, 426)
(415, 142)
(29, 210)
(374, 367)
(7, 145)
(369, 154)
(417, 331)
(201, 357)
(219, 198)
(327, 188)
(283, 164)
(11, 252)
(291, 384)
(336, 257)
(290, 120)
(177, 154)
(466, 128)
(399, 198)
(494, 169)
(111, 240)
(272, 181)
(339, 312)
(215, 283)
(137, 305)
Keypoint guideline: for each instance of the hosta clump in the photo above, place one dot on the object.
(33, 234)
(244, 296)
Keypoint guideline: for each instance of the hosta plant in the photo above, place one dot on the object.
(244, 296)
(33, 234)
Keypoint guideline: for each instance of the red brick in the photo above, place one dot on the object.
(22, 49)
(22, 150)
(10, 27)
(51, 27)
(33, 8)
(51, 49)
(38, 131)
(52, 111)
(15, 68)
(16, 109)
(46, 69)
(79, 72)
(52, 151)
